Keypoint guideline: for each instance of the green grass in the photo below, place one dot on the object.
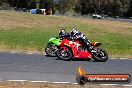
(115, 43)
(31, 32)
(25, 39)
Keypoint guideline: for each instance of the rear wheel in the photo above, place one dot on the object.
(64, 53)
(100, 55)
(51, 50)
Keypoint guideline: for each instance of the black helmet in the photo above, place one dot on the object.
(62, 33)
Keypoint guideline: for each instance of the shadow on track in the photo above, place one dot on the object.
(83, 59)
(75, 59)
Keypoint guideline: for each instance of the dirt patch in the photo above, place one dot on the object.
(50, 85)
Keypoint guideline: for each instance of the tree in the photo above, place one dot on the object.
(129, 12)
(67, 5)
(107, 7)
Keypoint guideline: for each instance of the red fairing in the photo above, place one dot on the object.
(74, 45)
(83, 54)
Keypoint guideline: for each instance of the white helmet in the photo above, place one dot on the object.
(74, 32)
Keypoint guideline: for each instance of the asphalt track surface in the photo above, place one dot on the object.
(119, 19)
(39, 67)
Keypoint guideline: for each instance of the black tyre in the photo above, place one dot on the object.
(51, 50)
(100, 56)
(64, 54)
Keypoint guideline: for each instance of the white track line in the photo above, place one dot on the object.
(108, 84)
(17, 80)
(39, 81)
(28, 53)
(123, 58)
(75, 83)
(127, 85)
(112, 58)
(13, 52)
(61, 82)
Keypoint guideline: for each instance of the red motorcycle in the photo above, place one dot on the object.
(75, 50)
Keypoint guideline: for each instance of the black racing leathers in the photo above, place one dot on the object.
(81, 37)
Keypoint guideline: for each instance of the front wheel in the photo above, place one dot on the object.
(64, 53)
(100, 55)
(51, 50)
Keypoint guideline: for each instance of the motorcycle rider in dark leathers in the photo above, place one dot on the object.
(63, 34)
(76, 35)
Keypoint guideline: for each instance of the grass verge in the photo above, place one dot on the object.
(23, 31)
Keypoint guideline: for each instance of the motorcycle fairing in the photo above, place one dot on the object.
(74, 45)
(55, 41)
